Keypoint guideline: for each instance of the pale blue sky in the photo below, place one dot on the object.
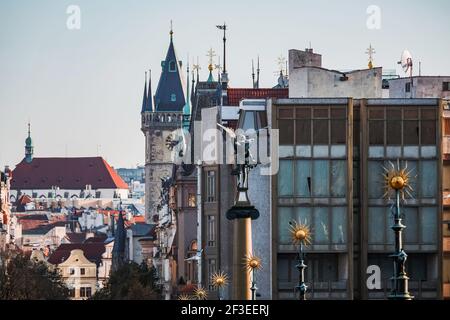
(83, 88)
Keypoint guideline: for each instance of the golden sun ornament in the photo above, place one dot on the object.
(219, 279)
(300, 233)
(200, 293)
(184, 297)
(397, 180)
(252, 262)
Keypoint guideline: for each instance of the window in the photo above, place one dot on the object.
(211, 186)
(211, 231)
(446, 86)
(173, 97)
(85, 292)
(172, 66)
(72, 292)
(211, 271)
(82, 271)
(191, 200)
(408, 87)
(71, 271)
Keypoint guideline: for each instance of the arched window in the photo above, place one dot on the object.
(173, 97)
(172, 66)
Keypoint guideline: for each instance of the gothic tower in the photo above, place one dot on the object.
(159, 118)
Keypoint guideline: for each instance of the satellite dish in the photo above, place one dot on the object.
(406, 62)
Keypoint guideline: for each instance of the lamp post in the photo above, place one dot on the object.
(397, 182)
(301, 235)
(219, 281)
(252, 264)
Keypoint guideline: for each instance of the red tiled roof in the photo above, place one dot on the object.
(235, 95)
(92, 251)
(66, 173)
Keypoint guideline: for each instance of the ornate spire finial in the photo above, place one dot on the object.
(370, 51)
(29, 129)
(171, 30)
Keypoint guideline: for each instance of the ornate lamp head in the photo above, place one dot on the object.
(397, 179)
(300, 233)
(184, 297)
(200, 293)
(252, 263)
(219, 279)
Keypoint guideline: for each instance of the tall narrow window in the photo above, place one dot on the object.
(211, 271)
(211, 186)
(211, 231)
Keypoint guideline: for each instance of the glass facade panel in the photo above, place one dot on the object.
(338, 178)
(285, 178)
(428, 182)
(376, 225)
(411, 223)
(339, 223)
(375, 177)
(320, 178)
(285, 214)
(428, 222)
(303, 178)
(321, 226)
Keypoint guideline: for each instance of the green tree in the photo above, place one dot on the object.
(130, 282)
(24, 279)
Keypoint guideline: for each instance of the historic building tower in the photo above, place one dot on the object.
(160, 117)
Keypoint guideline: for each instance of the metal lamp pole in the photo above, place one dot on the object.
(400, 279)
(301, 266)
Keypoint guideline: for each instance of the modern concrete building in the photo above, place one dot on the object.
(332, 153)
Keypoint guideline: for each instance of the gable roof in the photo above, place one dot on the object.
(66, 173)
(235, 95)
(170, 83)
(92, 251)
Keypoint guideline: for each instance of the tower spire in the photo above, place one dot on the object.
(171, 31)
(149, 105)
(144, 98)
(29, 146)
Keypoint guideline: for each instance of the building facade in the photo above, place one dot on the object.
(332, 153)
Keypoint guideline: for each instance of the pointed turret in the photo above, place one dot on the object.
(169, 94)
(29, 149)
(149, 104)
(118, 253)
(144, 99)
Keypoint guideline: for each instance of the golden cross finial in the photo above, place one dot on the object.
(211, 54)
(370, 51)
(196, 67)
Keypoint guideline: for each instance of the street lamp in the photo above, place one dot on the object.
(252, 264)
(301, 236)
(397, 184)
(219, 281)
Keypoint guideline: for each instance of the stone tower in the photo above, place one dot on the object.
(159, 118)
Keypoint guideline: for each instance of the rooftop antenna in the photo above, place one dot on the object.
(257, 74)
(253, 75)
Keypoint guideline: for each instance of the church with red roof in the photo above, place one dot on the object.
(65, 178)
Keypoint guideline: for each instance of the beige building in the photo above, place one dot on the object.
(84, 267)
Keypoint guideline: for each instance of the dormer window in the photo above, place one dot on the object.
(172, 66)
(173, 97)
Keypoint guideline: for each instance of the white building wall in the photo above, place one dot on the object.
(314, 82)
